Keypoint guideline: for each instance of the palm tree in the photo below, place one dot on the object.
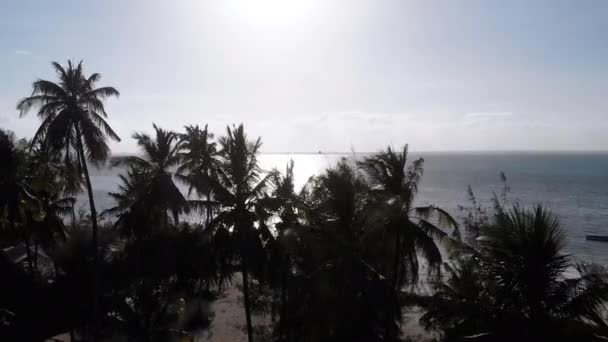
(241, 191)
(338, 292)
(523, 252)
(514, 287)
(74, 119)
(132, 216)
(396, 183)
(148, 192)
(412, 228)
(199, 164)
(287, 204)
(460, 305)
(15, 190)
(51, 227)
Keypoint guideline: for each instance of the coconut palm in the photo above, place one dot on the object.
(149, 196)
(338, 292)
(199, 164)
(132, 218)
(74, 119)
(412, 229)
(287, 204)
(241, 190)
(15, 191)
(51, 228)
(515, 288)
(523, 252)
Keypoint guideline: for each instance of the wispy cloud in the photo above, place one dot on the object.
(359, 117)
(483, 118)
(483, 115)
(23, 52)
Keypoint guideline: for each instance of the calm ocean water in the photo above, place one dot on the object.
(573, 185)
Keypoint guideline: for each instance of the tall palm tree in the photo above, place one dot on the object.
(74, 119)
(287, 204)
(339, 290)
(241, 190)
(412, 228)
(199, 164)
(148, 193)
(396, 183)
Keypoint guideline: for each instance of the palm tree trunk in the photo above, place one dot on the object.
(208, 210)
(395, 275)
(243, 236)
(388, 323)
(26, 243)
(36, 255)
(246, 300)
(283, 309)
(85, 170)
(73, 217)
(55, 269)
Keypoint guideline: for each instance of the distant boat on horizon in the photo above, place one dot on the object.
(597, 238)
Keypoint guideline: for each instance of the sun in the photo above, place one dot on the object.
(272, 14)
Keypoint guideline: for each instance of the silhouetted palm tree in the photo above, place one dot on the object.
(523, 252)
(74, 119)
(148, 192)
(287, 204)
(153, 302)
(337, 292)
(515, 287)
(132, 218)
(241, 191)
(199, 165)
(411, 228)
(51, 227)
(15, 191)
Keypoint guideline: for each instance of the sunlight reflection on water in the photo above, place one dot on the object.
(573, 186)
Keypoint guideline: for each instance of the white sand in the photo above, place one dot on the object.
(228, 322)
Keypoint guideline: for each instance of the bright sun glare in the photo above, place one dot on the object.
(272, 13)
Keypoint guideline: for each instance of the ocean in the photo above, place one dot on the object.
(573, 185)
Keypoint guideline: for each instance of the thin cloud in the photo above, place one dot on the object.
(360, 117)
(23, 52)
(484, 118)
(480, 115)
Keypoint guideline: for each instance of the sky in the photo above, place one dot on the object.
(330, 75)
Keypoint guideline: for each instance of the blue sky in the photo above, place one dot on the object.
(312, 75)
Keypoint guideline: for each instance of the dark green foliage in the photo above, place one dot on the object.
(514, 286)
(199, 167)
(241, 190)
(338, 260)
(74, 120)
(346, 271)
(148, 195)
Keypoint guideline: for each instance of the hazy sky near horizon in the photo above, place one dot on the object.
(331, 75)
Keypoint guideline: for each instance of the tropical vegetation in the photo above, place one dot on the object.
(341, 258)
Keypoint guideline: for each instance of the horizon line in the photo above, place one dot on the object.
(590, 151)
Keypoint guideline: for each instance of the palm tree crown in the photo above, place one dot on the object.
(199, 166)
(72, 107)
(148, 188)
